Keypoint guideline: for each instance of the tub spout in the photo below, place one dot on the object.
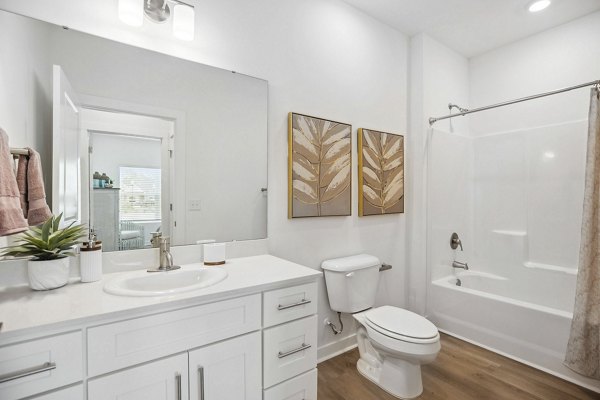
(458, 264)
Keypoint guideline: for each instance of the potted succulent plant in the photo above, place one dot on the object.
(48, 248)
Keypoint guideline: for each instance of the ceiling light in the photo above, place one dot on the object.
(539, 5)
(183, 22)
(131, 12)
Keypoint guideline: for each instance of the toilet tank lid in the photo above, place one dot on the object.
(352, 263)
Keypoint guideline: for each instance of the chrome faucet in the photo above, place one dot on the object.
(165, 256)
(155, 239)
(458, 264)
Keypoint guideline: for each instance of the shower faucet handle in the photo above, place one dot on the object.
(455, 241)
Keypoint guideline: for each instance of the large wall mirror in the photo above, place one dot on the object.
(141, 141)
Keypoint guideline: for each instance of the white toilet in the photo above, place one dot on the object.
(393, 342)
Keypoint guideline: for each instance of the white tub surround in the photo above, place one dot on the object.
(80, 338)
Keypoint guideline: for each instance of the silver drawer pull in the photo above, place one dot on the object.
(201, 383)
(47, 366)
(300, 303)
(299, 349)
(178, 385)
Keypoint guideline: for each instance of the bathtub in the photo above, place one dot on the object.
(517, 320)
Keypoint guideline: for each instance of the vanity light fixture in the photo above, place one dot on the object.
(183, 22)
(539, 5)
(182, 14)
(131, 12)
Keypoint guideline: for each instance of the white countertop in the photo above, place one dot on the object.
(24, 311)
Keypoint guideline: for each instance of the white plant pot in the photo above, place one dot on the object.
(46, 275)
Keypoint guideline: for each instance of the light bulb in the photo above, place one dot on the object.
(183, 22)
(539, 5)
(131, 12)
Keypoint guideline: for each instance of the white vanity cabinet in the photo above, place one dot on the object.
(166, 379)
(133, 341)
(290, 343)
(259, 343)
(40, 365)
(229, 370)
(70, 393)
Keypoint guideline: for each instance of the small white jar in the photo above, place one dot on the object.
(90, 263)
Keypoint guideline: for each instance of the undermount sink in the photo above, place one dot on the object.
(189, 277)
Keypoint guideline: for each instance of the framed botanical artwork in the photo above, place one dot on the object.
(319, 167)
(380, 173)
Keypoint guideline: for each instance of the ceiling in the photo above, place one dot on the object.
(473, 27)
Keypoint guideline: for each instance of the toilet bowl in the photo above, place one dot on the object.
(393, 344)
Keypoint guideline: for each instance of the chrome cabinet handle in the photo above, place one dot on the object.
(201, 385)
(300, 303)
(299, 349)
(47, 366)
(178, 385)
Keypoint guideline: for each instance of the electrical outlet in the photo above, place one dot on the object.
(195, 205)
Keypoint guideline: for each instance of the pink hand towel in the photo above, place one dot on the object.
(22, 183)
(11, 214)
(38, 211)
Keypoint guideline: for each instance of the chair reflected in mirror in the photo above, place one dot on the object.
(131, 235)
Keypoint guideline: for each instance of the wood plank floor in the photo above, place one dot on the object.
(461, 371)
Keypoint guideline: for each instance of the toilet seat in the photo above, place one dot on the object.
(401, 324)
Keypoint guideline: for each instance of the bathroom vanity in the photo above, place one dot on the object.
(251, 336)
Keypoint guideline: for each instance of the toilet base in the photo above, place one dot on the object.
(399, 378)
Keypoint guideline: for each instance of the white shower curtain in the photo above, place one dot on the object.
(583, 349)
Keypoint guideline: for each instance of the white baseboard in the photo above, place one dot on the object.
(341, 346)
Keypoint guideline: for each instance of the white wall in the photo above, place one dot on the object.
(26, 89)
(321, 57)
(438, 76)
(113, 151)
(564, 56)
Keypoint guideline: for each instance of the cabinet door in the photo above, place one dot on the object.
(165, 379)
(229, 370)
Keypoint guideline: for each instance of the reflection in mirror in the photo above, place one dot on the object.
(130, 190)
(184, 144)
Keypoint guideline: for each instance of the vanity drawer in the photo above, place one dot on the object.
(125, 343)
(303, 387)
(72, 393)
(289, 350)
(290, 303)
(40, 365)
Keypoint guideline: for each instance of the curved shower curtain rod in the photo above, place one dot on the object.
(464, 111)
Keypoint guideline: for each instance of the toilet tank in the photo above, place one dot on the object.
(352, 282)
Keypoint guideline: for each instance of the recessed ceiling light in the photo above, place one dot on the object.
(539, 5)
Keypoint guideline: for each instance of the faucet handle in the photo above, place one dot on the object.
(455, 241)
(155, 239)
